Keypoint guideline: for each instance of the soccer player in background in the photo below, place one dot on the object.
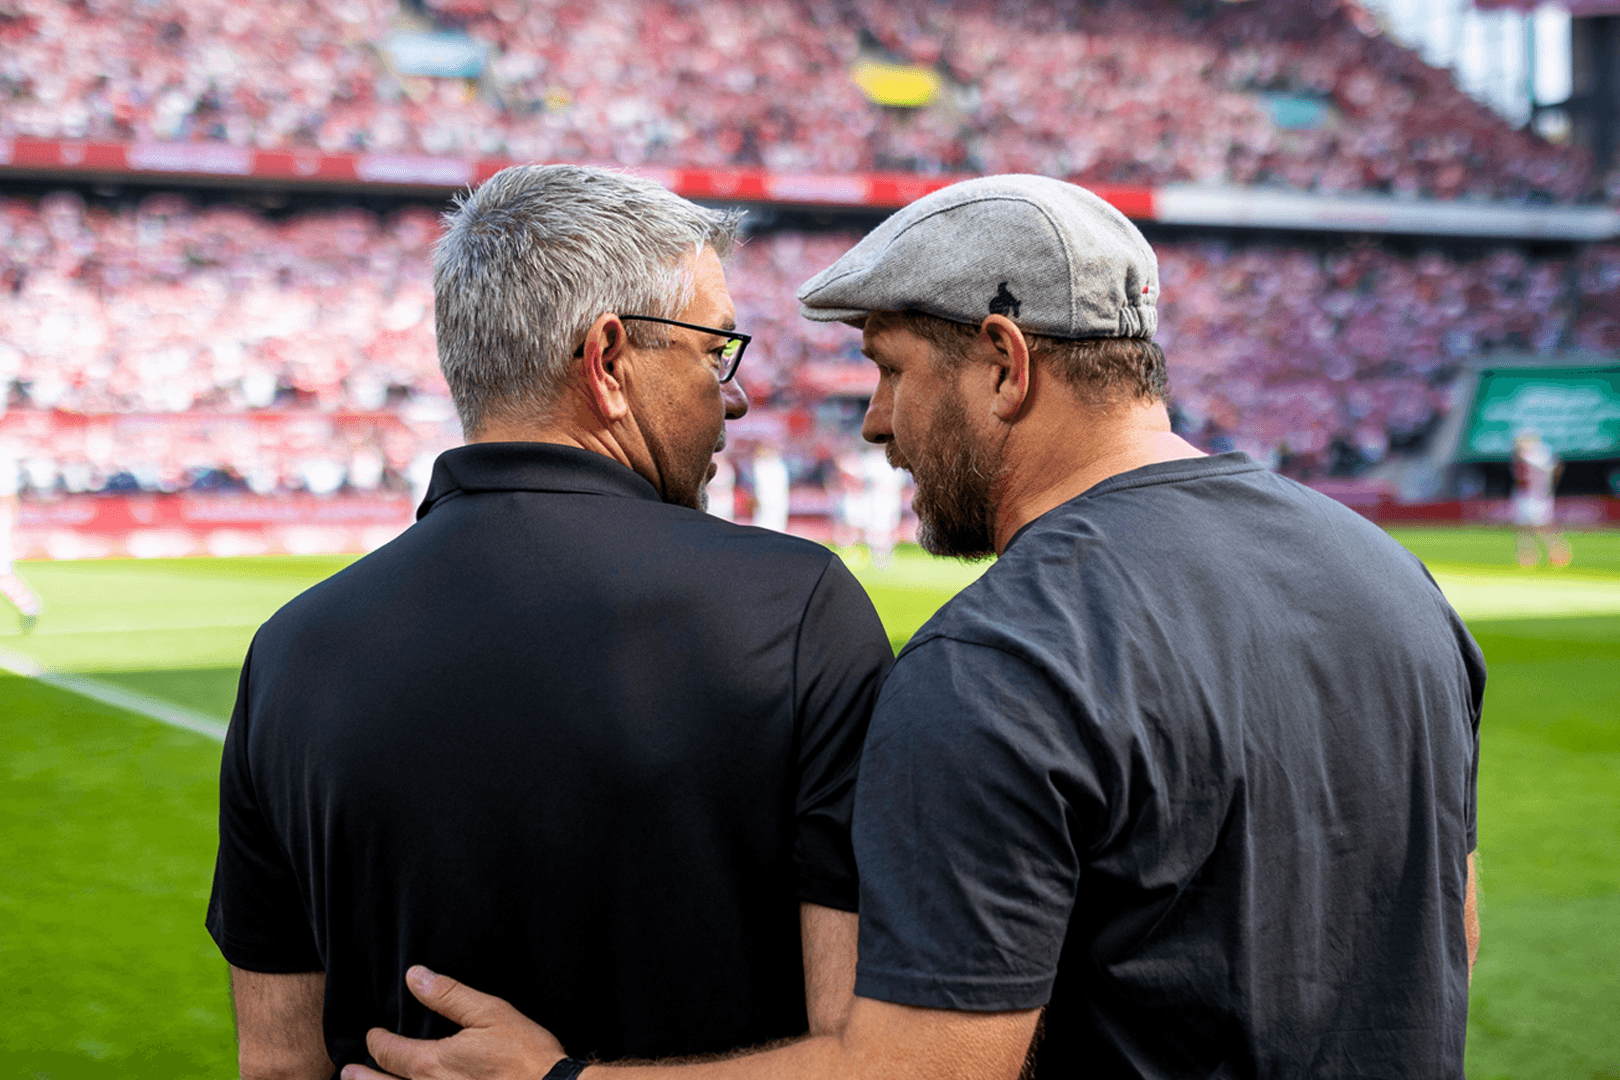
(1535, 477)
(12, 587)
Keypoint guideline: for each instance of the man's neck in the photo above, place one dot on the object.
(1073, 450)
(559, 432)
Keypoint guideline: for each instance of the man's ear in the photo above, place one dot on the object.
(1010, 360)
(603, 369)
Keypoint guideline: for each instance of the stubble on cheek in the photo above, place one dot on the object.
(956, 489)
(683, 453)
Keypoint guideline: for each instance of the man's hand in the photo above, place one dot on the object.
(496, 1042)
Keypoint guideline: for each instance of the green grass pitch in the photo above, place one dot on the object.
(107, 818)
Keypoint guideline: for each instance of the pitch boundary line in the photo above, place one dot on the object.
(148, 628)
(164, 712)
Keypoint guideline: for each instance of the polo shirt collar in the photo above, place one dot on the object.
(530, 466)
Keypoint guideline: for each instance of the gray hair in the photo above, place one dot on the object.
(534, 256)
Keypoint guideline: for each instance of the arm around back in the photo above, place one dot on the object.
(881, 1041)
(884, 1041)
(278, 1025)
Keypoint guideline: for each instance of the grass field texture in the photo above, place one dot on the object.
(107, 818)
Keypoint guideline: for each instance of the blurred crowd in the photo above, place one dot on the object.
(1302, 94)
(166, 307)
(1315, 360)
(266, 453)
(1319, 361)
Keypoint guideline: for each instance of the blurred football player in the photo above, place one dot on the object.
(1535, 477)
(12, 587)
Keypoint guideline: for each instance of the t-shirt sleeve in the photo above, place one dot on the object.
(975, 811)
(840, 659)
(1474, 662)
(255, 913)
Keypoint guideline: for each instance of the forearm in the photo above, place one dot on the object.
(880, 1042)
(813, 1058)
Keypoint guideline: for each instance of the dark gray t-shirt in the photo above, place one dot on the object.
(1193, 765)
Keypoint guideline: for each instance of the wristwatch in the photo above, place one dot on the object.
(566, 1069)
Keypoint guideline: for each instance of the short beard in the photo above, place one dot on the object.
(956, 486)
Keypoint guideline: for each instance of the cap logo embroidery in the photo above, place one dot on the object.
(1004, 302)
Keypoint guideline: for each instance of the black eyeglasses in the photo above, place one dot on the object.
(731, 352)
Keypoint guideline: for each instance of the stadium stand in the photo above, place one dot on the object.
(165, 342)
(1269, 92)
(1316, 359)
(167, 307)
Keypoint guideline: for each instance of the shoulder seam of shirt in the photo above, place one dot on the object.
(939, 635)
(1112, 831)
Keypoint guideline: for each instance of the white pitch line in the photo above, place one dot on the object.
(1479, 595)
(164, 712)
(143, 628)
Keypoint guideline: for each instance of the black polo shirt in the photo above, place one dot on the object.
(571, 744)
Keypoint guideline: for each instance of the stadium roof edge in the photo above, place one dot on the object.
(1279, 209)
(218, 164)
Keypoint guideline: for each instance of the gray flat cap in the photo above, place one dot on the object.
(1051, 256)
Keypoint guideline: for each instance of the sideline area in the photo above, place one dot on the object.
(121, 615)
(166, 712)
(1475, 568)
(111, 820)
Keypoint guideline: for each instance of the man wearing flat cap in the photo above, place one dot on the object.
(1183, 785)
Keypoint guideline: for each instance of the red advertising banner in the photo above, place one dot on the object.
(199, 161)
(148, 526)
(1186, 204)
(1572, 512)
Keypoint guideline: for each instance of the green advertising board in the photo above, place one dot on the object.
(1576, 411)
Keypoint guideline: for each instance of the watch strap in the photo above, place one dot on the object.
(566, 1069)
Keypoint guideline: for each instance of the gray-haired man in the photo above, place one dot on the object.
(1190, 769)
(569, 737)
